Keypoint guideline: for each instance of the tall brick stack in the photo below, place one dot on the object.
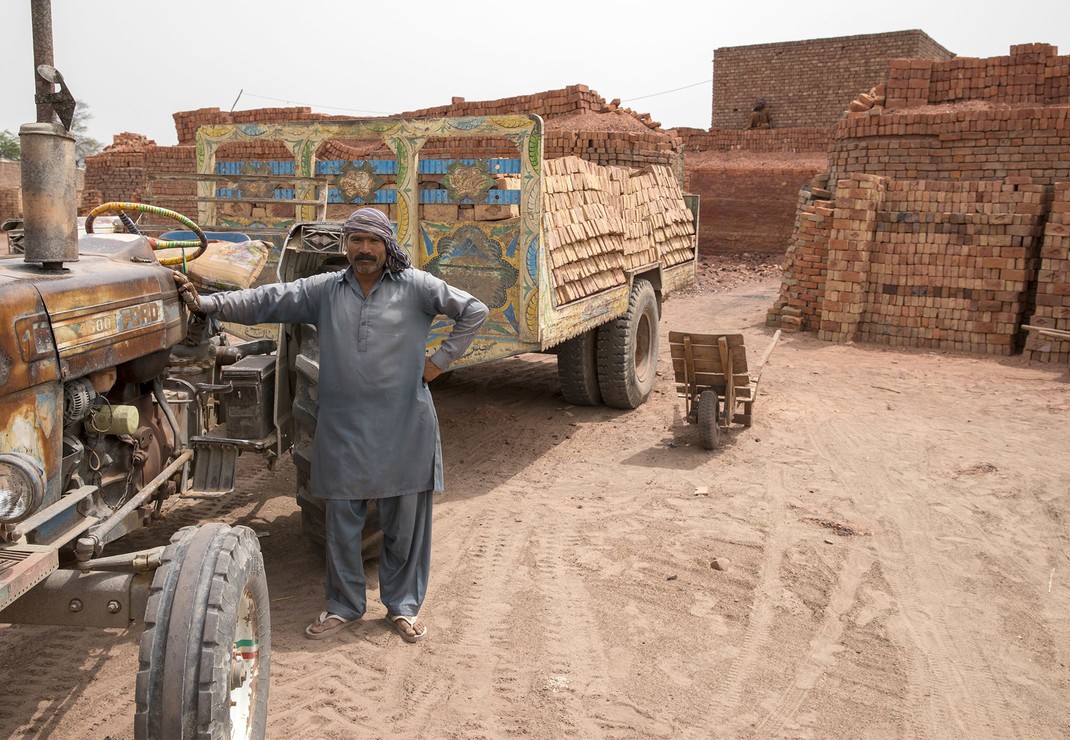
(802, 288)
(10, 190)
(949, 223)
(10, 203)
(934, 264)
(850, 244)
(118, 172)
(1053, 286)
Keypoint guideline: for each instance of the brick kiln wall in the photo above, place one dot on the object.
(748, 183)
(746, 209)
(808, 83)
(789, 140)
(1052, 309)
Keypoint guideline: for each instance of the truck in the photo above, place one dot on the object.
(116, 401)
(572, 257)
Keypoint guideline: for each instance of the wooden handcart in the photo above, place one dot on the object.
(712, 374)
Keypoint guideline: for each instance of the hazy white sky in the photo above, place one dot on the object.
(137, 63)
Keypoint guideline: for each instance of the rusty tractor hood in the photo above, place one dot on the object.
(115, 305)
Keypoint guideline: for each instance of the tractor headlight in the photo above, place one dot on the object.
(22, 486)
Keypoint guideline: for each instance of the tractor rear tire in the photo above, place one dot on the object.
(577, 369)
(206, 650)
(628, 350)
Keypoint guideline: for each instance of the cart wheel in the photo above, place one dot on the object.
(206, 648)
(708, 428)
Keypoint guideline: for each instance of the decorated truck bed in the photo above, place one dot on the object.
(569, 255)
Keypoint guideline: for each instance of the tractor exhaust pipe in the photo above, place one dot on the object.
(49, 190)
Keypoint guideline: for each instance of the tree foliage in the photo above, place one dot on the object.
(9, 145)
(84, 145)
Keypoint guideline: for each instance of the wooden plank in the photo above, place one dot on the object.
(710, 357)
(730, 390)
(743, 392)
(677, 337)
(689, 375)
(765, 356)
(704, 376)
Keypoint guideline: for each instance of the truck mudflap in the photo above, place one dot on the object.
(22, 567)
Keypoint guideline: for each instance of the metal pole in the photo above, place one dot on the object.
(97, 534)
(41, 16)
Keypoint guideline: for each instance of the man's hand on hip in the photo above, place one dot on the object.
(431, 370)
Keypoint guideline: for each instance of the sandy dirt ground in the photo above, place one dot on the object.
(894, 532)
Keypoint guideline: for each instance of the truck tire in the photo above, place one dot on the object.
(577, 369)
(628, 350)
(206, 649)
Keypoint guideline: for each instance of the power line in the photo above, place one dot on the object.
(313, 105)
(666, 92)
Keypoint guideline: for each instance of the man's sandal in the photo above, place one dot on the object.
(401, 621)
(343, 623)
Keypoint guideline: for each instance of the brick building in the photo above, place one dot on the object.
(808, 83)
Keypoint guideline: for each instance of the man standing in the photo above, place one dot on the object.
(377, 432)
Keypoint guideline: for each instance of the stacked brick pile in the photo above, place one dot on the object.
(10, 203)
(552, 103)
(611, 148)
(178, 195)
(973, 144)
(600, 221)
(802, 287)
(114, 178)
(584, 232)
(10, 190)
(655, 213)
(117, 173)
(932, 264)
(1053, 287)
(546, 104)
(1032, 74)
(187, 122)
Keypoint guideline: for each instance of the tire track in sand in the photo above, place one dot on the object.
(944, 659)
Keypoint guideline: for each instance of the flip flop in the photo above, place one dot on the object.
(395, 619)
(343, 623)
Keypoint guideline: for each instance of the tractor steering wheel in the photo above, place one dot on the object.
(120, 208)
